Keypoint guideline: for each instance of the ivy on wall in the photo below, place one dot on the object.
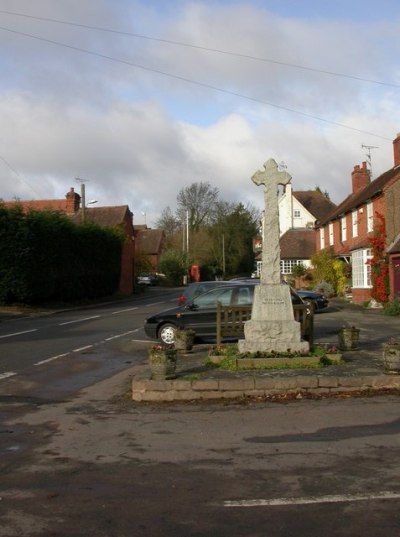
(379, 262)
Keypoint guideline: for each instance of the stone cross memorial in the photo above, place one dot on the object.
(272, 327)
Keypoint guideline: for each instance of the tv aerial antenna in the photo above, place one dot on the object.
(368, 155)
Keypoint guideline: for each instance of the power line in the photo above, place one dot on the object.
(204, 48)
(18, 175)
(195, 82)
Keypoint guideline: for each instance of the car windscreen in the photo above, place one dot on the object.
(243, 295)
(210, 299)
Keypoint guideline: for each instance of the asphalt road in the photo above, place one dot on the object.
(79, 458)
(40, 339)
(99, 465)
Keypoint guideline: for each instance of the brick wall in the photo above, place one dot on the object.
(359, 296)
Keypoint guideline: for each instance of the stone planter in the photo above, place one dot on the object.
(184, 340)
(335, 357)
(391, 358)
(349, 338)
(162, 363)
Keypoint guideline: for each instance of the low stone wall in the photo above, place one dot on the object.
(145, 389)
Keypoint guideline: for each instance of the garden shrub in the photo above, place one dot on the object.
(392, 308)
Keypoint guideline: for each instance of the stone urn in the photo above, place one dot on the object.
(162, 361)
(391, 357)
(349, 338)
(184, 339)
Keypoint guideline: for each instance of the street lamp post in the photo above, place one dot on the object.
(83, 199)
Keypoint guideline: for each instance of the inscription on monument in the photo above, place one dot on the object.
(272, 301)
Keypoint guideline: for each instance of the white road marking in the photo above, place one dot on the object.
(47, 360)
(154, 304)
(123, 311)
(7, 375)
(83, 348)
(121, 335)
(18, 333)
(304, 500)
(79, 320)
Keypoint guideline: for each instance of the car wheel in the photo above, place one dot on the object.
(167, 333)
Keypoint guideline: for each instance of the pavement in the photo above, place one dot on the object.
(361, 371)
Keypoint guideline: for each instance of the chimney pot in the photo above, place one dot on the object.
(73, 201)
(360, 177)
(396, 150)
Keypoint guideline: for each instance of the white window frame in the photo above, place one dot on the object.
(361, 270)
(370, 217)
(354, 223)
(296, 213)
(287, 265)
(331, 236)
(321, 238)
(343, 228)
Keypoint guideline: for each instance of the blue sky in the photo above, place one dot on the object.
(163, 94)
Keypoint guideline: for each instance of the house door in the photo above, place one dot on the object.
(396, 277)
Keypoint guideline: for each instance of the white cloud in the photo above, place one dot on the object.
(138, 137)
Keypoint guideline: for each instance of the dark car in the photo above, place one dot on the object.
(201, 313)
(198, 288)
(317, 301)
(147, 278)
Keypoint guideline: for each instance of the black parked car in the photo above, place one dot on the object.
(317, 301)
(198, 288)
(201, 313)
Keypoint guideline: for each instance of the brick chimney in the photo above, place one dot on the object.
(73, 201)
(360, 177)
(396, 150)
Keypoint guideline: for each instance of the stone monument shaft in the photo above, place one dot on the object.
(271, 178)
(272, 327)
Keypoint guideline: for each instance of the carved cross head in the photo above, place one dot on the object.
(271, 175)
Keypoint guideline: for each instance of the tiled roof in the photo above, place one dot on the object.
(103, 216)
(394, 248)
(149, 241)
(362, 196)
(39, 205)
(297, 243)
(315, 203)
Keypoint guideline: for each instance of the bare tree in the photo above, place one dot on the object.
(168, 222)
(198, 201)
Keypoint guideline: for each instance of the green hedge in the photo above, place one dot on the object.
(45, 257)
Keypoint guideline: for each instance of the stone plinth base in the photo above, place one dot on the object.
(272, 336)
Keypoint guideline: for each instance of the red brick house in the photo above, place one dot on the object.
(149, 245)
(115, 216)
(348, 229)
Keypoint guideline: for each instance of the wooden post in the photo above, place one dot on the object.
(219, 335)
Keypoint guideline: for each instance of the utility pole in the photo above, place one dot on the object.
(83, 200)
(223, 254)
(187, 232)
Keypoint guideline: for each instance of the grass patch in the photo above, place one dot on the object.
(192, 376)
